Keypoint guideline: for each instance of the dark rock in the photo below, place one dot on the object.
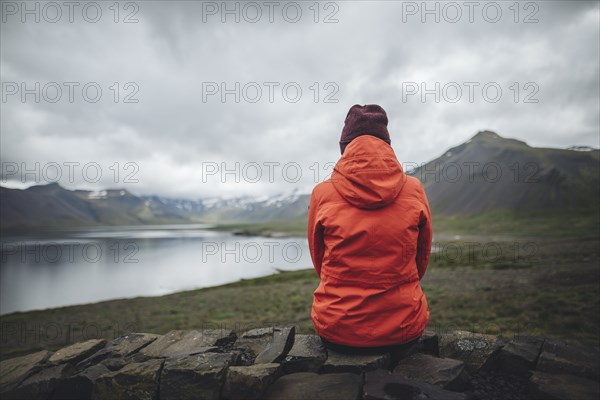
(442, 372)
(77, 351)
(249, 382)
(381, 384)
(307, 355)
(498, 385)
(197, 376)
(571, 359)
(253, 342)
(308, 385)
(40, 385)
(122, 346)
(355, 363)
(563, 387)
(278, 347)
(428, 344)
(79, 386)
(139, 357)
(188, 342)
(211, 364)
(114, 364)
(15, 370)
(134, 381)
(520, 355)
(474, 349)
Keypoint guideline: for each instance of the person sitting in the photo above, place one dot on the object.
(369, 235)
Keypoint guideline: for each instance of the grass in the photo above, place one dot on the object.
(555, 296)
(551, 291)
(575, 223)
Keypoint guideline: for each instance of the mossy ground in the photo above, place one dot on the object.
(538, 224)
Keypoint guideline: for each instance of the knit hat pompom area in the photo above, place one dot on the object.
(369, 119)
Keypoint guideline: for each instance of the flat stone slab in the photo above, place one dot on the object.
(561, 386)
(442, 372)
(259, 332)
(187, 342)
(384, 385)
(571, 359)
(212, 364)
(308, 385)
(15, 370)
(498, 385)
(198, 376)
(77, 352)
(42, 384)
(307, 355)
(134, 381)
(337, 362)
(122, 346)
(250, 382)
(474, 349)
(519, 356)
(115, 363)
(253, 342)
(428, 343)
(280, 344)
(79, 386)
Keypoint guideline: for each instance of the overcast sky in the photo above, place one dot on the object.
(529, 72)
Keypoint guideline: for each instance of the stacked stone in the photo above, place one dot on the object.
(275, 363)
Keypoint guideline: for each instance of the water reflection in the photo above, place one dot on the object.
(75, 267)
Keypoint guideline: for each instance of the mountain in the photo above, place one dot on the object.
(54, 206)
(487, 173)
(490, 173)
(281, 206)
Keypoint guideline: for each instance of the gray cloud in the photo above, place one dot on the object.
(366, 57)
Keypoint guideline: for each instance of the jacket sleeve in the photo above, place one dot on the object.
(315, 235)
(425, 237)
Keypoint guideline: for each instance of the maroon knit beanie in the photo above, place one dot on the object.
(370, 119)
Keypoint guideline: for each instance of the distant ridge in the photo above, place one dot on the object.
(492, 173)
(54, 206)
(487, 173)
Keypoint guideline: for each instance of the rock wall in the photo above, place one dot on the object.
(275, 363)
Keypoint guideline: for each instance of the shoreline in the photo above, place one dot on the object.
(278, 271)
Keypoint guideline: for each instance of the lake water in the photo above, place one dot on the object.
(77, 267)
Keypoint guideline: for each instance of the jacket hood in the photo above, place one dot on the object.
(368, 175)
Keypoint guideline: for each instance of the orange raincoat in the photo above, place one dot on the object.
(369, 234)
